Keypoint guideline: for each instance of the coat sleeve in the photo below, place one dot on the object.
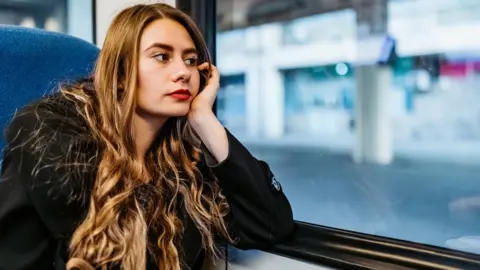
(260, 214)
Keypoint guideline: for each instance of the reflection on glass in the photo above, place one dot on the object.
(309, 99)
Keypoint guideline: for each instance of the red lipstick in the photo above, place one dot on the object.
(181, 94)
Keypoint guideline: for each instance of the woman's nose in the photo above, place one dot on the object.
(180, 71)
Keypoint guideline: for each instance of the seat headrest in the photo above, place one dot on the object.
(34, 61)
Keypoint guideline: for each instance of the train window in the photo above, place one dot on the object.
(74, 17)
(366, 110)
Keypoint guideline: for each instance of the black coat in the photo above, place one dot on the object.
(37, 218)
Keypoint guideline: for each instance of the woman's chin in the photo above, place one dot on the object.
(173, 111)
(177, 112)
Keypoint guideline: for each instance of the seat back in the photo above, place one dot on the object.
(33, 62)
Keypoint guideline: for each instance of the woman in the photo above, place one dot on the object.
(131, 168)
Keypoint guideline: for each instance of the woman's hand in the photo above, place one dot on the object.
(203, 102)
(203, 120)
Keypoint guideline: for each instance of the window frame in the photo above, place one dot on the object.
(333, 247)
(94, 22)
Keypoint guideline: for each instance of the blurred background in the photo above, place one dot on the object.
(74, 17)
(366, 110)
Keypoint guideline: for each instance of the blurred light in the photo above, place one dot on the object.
(341, 69)
(28, 22)
(52, 25)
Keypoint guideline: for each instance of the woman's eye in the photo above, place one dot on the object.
(161, 57)
(191, 61)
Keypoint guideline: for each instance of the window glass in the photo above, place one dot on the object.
(74, 17)
(367, 113)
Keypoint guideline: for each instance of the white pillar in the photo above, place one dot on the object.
(253, 81)
(107, 9)
(373, 128)
(253, 86)
(372, 114)
(272, 86)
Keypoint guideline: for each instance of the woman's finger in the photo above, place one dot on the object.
(214, 76)
(203, 66)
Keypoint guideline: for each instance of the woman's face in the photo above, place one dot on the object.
(168, 76)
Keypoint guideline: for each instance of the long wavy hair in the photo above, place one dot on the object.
(123, 207)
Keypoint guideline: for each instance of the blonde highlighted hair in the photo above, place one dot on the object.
(125, 210)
